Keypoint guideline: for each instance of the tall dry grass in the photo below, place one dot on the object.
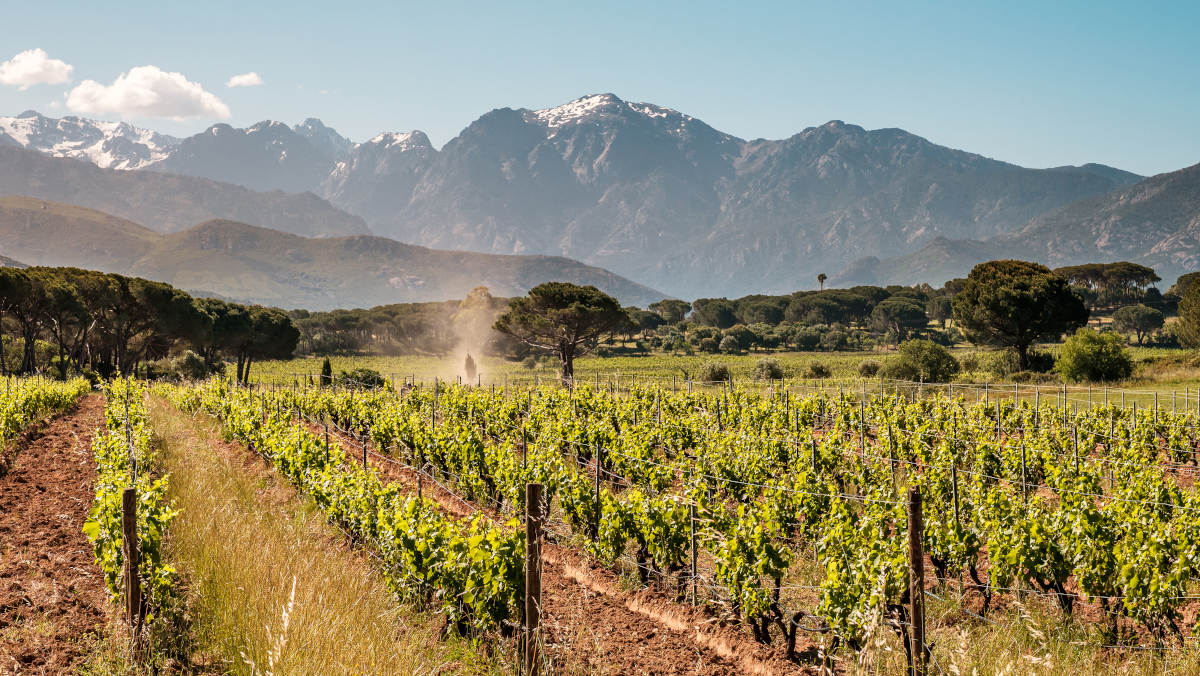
(273, 587)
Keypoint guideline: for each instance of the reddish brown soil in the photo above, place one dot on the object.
(52, 595)
(592, 624)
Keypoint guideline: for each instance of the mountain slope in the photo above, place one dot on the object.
(38, 231)
(258, 265)
(654, 194)
(265, 156)
(114, 145)
(166, 202)
(646, 191)
(1155, 222)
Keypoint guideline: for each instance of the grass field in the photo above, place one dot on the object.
(1167, 372)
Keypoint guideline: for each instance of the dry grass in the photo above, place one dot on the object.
(273, 588)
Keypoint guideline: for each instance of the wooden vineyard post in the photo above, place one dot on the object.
(133, 586)
(596, 495)
(364, 442)
(692, 541)
(916, 582)
(533, 575)
(1024, 475)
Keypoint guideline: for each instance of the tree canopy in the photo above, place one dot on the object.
(562, 318)
(1139, 320)
(1013, 304)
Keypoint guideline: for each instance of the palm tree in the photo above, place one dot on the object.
(821, 280)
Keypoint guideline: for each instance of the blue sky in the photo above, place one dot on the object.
(1038, 84)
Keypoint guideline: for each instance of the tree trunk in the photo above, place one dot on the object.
(28, 357)
(1022, 357)
(566, 355)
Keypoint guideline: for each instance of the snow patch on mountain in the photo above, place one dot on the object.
(112, 145)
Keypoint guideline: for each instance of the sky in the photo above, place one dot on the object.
(1038, 84)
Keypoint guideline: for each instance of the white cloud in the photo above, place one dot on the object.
(34, 66)
(147, 91)
(250, 79)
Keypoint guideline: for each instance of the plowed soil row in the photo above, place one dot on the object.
(592, 624)
(52, 596)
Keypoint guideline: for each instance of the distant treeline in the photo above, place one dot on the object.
(82, 321)
(859, 317)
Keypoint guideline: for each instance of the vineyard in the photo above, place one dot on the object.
(24, 400)
(787, 511)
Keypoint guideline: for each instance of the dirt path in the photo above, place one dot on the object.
(594, 625)
(52, 595)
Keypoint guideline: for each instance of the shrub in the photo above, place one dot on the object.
(363, 378)
(1004, 362)
(768, 369)
(969, 362)
(869, 368)
(326, 373)
(529, 362)
(922, 360)
(714, 372)
(709, 345)
(190, 366)
(834, 339)
(1089, 355)
(817, 370)
(730, 344)
(807, 338)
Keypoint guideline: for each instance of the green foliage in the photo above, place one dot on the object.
(1092, 356)
(125, 458)
(1014, 304)
(562, 318)
(817, 370)
(1139, 320)
(730, 345)
(714, 372)
(326, 373)
(768, 369)
(362, 378)
(1187, 329)
(869, 368)
(922, 360)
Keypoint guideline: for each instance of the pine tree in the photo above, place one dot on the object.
(326, 373)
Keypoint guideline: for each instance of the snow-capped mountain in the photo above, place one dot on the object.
(112, 145)
(646, 191)
(324, 139)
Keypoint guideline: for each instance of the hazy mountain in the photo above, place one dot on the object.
(7, 262)
(1155, 222)
(166, 202)
(265, 156)
(377, 178)
(251, 264)
(325, 139)
(650, 192)
(115, 145)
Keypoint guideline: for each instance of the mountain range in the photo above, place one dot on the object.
(648, 192)
(1155, 222)
(246, 263)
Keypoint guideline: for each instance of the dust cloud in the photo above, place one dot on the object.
(472, 323)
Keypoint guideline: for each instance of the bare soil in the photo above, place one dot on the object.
(53, 602)
(592, 624)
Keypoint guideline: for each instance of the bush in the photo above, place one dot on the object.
(1004, 362)
(363, 378)
(768, 369)
(869, 368)
(922, 360)
(730, 344)
(190, 366)
(714, 372)
(807, 338)
(817, 370)
(326, 373)
(1089, 355)
(969, 362)
(709, 345)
